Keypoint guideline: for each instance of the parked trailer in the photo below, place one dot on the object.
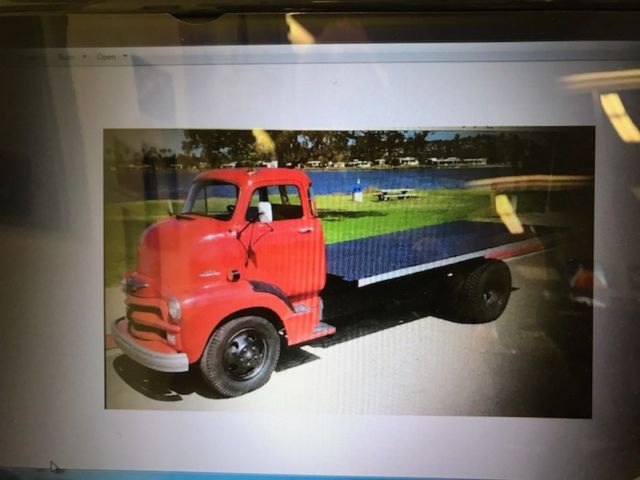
(243, 271)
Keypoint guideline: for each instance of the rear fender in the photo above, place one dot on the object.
(205, 309)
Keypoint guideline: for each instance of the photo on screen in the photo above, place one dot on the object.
(427, 271)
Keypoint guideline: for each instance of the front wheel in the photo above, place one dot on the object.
(485, 292)
(240, 356)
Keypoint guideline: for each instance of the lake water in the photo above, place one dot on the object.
(132, 185)
(342, 181)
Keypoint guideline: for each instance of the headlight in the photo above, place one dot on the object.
(174, 309)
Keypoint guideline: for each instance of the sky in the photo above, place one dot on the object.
(449, 134)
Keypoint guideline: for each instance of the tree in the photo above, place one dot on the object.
(365, 145)
(221, 146)
(328, 145)
(289, 148)
(416, 145)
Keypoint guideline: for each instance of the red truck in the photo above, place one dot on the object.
(244, 270)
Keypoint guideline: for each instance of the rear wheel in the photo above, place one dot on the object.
(485, 292)
(240, 356)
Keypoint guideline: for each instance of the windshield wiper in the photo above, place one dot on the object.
(199, 214)
(182, 216)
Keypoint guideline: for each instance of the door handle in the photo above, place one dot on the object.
(305, 230)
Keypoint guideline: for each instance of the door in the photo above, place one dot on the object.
(287, 251)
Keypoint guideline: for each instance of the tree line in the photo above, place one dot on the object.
(563, 148)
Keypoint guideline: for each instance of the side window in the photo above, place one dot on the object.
(284, 199)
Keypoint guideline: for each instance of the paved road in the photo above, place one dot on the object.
(535, 360)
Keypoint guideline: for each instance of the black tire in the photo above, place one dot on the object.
(485, 292)
(240, 356)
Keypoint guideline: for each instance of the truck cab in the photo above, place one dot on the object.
(228, 279)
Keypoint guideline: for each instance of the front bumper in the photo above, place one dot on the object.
(156, 360)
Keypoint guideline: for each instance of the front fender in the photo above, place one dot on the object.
(205, 308)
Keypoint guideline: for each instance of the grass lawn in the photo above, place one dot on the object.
(342, 219)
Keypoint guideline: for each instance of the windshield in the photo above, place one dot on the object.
(212, 198)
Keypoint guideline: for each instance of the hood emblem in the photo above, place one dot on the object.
(132, 285)
(209, 273)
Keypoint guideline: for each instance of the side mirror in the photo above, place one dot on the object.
(265, 212)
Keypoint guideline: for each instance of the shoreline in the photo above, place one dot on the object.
(413, 167)
(140, 168)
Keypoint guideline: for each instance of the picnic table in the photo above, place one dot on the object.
(395, 193)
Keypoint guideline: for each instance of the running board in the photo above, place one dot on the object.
(324, 329)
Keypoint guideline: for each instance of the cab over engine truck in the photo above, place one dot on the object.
(242, 270)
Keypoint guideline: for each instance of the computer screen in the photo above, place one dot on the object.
(301, 245)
